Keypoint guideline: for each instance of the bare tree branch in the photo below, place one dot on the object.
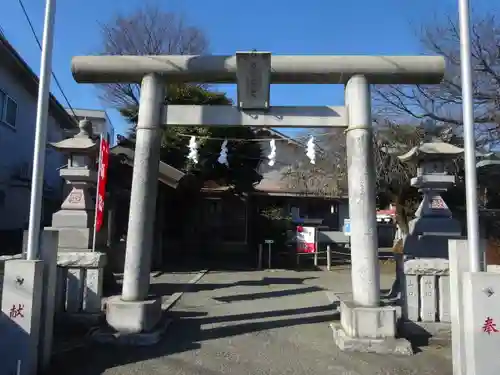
(442, 103)
(328, 177)
(148, 31)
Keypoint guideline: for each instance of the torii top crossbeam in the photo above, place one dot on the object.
(284, 69)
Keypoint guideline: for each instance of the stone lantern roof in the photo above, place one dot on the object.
(80, 143)
(431, 150)
(488, 166)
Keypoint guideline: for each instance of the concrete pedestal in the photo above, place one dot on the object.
(80, 279)
(133, 316)
(137, 323)
(369, 329)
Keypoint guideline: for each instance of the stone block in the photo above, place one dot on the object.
(446, 227)
(426, 246)
(21, 320)
(74, 289)
(73, 219)
(133, 317)
(76, 238)
(92, 295)
(427, 266)
(81, 259)
(481, 297)
(387, 345)
(411, 298)
(368, 322)
(79, 239)
(60, 300)
(48, 253)
(444, 298)
(428, 298)
(133, 339)
(3, 259)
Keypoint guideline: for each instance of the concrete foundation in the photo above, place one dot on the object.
(20, 321)
(132, 317)
(369, 329)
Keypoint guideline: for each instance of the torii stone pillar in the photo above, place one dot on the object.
(365, 325)
(144, 189)
(361, 183)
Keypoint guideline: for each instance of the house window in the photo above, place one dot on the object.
(8, 110)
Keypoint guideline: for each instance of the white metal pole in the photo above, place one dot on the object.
(469, 139)
(41, 132)
(97, 192)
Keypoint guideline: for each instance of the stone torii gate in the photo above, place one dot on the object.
(364, 324)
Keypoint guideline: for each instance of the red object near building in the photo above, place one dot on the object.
(101, 183)
(306, 239)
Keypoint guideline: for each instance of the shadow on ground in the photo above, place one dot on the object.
(164, 289)
(185, 333)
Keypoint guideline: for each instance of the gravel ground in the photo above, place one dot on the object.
(252, 323)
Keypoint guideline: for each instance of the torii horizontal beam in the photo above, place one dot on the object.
(284, 69)
(275, 117)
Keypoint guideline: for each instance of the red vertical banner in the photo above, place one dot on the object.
(101, 184)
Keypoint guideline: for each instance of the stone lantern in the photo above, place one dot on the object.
(80, 269)
(75, 219)
(433, 160)
(423, 268)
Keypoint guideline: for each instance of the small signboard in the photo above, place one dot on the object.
(306, 239)
(347, 227)
(253, 75)
(268, 241)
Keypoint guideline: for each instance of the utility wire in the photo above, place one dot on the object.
(40, 46)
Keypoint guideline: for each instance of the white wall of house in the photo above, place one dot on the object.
(16, 154)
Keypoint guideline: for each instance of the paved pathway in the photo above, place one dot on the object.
(252, 323)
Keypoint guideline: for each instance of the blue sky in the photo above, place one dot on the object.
(281, 26)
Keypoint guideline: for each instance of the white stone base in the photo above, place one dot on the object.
(133, 317)
(365, 345)
(369, 329)
(152, 337)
